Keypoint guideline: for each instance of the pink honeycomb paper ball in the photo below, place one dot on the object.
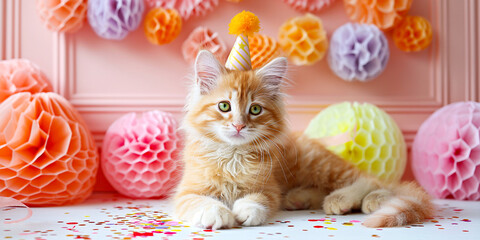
(140, 154)
(446, 152)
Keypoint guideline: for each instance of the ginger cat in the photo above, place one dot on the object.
(242, 164)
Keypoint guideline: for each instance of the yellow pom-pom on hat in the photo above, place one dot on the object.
(243, 24)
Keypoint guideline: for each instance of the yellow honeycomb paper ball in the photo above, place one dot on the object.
(378, 146)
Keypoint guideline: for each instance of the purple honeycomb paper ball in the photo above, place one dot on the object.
(358, 52)
(114, 19)
(446, 152)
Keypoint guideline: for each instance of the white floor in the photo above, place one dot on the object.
(109, 216)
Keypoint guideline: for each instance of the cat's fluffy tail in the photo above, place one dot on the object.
(410, 204)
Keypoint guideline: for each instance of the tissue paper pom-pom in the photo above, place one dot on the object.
(446, 152)
(385, 14)
(378, 147)
(303, 39)
(262, 49)
(20, 75)
(308, 5)
(62, 15)
(114, 19)
(203, 38)
(140, 155)
(162, 26)
(413, 34)
(186, 8)
(358, 52)
(47, 154)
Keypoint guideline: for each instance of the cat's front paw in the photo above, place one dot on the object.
(249, 213)
(337, 203)
(214, 216)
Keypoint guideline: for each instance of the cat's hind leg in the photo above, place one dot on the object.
(345, 199)
(302, 198)
(375, 199)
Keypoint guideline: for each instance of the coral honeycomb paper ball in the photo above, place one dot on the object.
(413, 34)
(446, 152)
(309, 5)
(385, 14)
(162, 26)
(378, 146)
(186, 8)
(303, 39)
(47, 154)
(20, 75)
(62, 15)
(140, 154)
(202, 38)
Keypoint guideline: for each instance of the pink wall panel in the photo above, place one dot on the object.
(105, 79)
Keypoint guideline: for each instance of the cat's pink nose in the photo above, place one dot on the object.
(239, 127)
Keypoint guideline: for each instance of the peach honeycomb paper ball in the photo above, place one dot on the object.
(309, 5)
(413, 34)
(162, 26)
(62, 15)
(262, 49)
(47, 154)
(202, 38)
(20, 75)
(378, 146)
(303, 39)
(385, 14)
(186, 8)
(446, 152)
(140, 154)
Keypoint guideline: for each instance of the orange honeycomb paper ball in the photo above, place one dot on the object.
(20, 75)
(162, 25)
(303, 39)
(385, 14)
(262, 49)
(62, 15)
(47, 154)
(413, 34)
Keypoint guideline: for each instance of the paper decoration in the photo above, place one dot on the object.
(62, 16)
(235, 1)
(186, 8)
(413, 34)
(21, 75)
(114, 19)
(303, 39)
(263, 49)
(446, 152)
(358, 52)
(162, 26)
(385, 14)
(140, 154)
(378, 147)
(309, 5)
(202, 38)
(47, 154)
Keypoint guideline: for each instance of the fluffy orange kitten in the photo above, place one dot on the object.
(242, 164)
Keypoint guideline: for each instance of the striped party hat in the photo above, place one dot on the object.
(243, 25)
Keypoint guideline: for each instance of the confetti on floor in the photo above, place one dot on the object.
(111, 216)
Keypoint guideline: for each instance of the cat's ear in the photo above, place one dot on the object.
(207, 71)
(273, 73)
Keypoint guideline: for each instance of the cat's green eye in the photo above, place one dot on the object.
(255, 109)
(224, 106)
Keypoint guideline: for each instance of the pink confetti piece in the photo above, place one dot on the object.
(354, 221)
